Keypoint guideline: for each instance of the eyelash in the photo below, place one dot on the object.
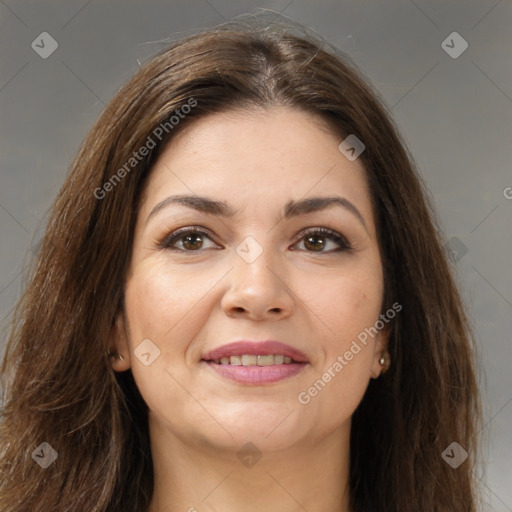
(167, 241)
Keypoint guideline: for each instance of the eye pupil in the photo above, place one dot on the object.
(315, 246)
(193, 239)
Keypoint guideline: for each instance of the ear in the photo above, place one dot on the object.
(381, 351)
(118, 344)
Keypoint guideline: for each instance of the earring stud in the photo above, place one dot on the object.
(111, 354)
(382, 360)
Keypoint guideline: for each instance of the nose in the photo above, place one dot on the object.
(258, 290)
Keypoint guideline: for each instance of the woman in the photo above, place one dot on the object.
(241, 303)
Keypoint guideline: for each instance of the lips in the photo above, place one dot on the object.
(256, 348)
(256, 363)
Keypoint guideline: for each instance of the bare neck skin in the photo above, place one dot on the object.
(190, 478)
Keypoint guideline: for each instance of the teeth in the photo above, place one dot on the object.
(254, 360)
(265, 360)
(249, 360)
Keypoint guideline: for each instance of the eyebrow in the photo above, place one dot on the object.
(292, 208)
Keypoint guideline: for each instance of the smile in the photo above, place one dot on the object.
(255, 360)
(248, 370)
(256, 363)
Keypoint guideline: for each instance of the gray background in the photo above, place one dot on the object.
(455, 114)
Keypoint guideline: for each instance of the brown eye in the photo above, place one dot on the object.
(191, 240)
(317, 239)
(314, 242)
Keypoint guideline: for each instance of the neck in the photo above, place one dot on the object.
(197, 477)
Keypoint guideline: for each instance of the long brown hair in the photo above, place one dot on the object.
(58, 385)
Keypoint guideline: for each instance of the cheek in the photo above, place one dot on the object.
(346, 303)
(162, 306)
(349, 306)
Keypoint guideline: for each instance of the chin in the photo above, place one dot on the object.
(268, 426)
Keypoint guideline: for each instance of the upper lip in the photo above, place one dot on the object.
(267, 347)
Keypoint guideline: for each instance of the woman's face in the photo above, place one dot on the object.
(259, 274)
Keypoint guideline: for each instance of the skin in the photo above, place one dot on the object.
(188, 304)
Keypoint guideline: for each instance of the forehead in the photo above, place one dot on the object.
(255, 160)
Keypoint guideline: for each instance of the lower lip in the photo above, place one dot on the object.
(257, 374)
